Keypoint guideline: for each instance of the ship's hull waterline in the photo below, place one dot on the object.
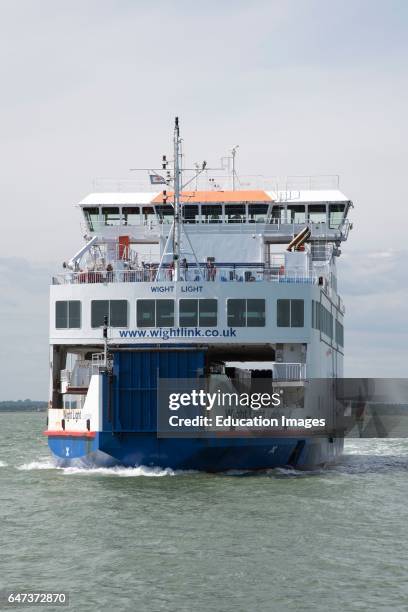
(210, 455)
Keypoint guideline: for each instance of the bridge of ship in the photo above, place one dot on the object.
(277, 215)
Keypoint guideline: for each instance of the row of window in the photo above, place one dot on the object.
(197, 313)
(206, 213)
(192, 313)
(322, 320)
(215, 213)
(160, 313)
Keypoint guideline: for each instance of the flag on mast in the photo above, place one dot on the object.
(156, 179)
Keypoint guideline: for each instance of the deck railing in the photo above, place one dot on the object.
(79, 377)
(289, 371)
(149, 274)
(268, 227)
(284, 184)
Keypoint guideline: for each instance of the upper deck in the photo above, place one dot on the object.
(229, 235)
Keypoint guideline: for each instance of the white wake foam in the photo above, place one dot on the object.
(376, 446)
(42, 464)
(47, 463)
(3, 464)
(124, 472)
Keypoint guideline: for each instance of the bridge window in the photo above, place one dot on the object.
(190, 213)
(155, 313)
(198, 312)
(290, 313)
(68, 314)
(278, 214)
(211, 213)
(317, 213)
(296, 213)
(165, 212)
(91, 217)
(111, 215)
(257, 213)
(336, 212)
(235, 213)
(131, 215)
(246, 313)
(148, 214)
(115, 310)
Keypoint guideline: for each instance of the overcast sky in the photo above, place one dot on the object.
(89, 88)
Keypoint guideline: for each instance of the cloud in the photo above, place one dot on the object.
(22, 276)
(375, 290)
(375, 354)
(373, 272)
(24, 329)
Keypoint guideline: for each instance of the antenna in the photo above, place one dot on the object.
(233, 153)
(177, 205)
(178, 229)
(197, 174)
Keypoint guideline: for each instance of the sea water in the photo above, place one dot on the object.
(147, 539)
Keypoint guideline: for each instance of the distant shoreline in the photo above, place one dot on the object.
(23, 406)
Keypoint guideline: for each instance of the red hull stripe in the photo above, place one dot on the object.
(70, 434)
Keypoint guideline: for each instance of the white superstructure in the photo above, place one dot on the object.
(250, 274)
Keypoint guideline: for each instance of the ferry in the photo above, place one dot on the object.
(201, 273)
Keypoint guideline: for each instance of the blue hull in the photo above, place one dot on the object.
(211, 455)
(129, 426)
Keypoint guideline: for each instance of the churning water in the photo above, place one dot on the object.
(149, 540)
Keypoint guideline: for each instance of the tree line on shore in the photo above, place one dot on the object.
(26, 405)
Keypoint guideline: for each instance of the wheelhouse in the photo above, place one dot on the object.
(198, 208)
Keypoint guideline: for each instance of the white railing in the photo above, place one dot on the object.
(283, 225)
(322, 252)
(289, 371)
(143, 229)
(80, 375)
(65, 377)
(99, 362)
(78, 378)
(220, 179)
(193, 274)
